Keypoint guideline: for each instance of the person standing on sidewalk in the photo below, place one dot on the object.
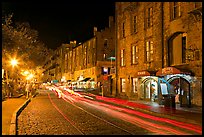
(27, 89)
(11, 88)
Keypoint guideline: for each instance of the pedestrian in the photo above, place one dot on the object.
(27, 89)
(11, 88)
(177, 98)
(33, 88)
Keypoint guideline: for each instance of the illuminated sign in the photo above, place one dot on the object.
(143, 73)
(168, 70)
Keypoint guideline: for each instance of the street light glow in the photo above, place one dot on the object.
(14, 62)
(26, 73)
(29, 76)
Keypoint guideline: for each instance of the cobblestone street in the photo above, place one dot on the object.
(47, 114)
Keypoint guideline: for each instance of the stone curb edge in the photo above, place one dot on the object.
(13, 124)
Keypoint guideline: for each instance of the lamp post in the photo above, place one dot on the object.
(13, 63)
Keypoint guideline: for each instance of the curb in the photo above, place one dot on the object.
(13, 124)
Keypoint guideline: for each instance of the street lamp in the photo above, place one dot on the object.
(14, 62)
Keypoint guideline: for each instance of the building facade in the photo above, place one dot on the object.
(92, 60)
(159, 49)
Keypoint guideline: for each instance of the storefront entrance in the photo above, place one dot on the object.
(150, 89)
(182, 90)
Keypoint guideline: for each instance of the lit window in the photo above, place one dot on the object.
(149, 51)
(122, 57)
(135, 54)
(104, 56)
(123, 85)
(134, 85)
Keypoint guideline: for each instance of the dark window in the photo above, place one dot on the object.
(197, 55)
(197, 4)
(105, 43)
(184, 49)
(123, 30)
(134, 24)
(175, 10)
(149, 17)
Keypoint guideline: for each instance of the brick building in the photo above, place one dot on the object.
(92, 60)
(159, 49)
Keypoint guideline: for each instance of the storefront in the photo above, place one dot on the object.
(179, 84)
(148, 89)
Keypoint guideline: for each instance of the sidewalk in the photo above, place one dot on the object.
(9, 107)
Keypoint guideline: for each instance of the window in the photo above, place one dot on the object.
(105, 43)
(104, 56)
(134, 85)
(197, 4)
(122, 57)
(197, 55)
(134, 54)
(123, 30)
(66, 62)
(175, 10)
(70, 61)
(122, 85)
(85, 55)
(149, 51)
(134, 24)
(74, 59)
(149, 17)
(178, 53)
(184, 49)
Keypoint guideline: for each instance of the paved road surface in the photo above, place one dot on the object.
(74, 115)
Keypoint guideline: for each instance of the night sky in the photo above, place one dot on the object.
(61, 21)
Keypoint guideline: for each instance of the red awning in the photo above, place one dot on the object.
(171, 71)
(146, 73)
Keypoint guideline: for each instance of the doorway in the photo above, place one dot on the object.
(151, 90)
(181, 87)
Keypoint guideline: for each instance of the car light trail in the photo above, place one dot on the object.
(109, 108)
(155, 128)
(86, 112)
(192, 127)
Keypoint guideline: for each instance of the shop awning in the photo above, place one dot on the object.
(146, 73)
(171, 71)
(84, 80)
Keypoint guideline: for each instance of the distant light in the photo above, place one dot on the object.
(105, 69)
(30, 76)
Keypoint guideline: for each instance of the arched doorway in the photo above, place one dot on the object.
(150, 89)
(177, 48)
(181, 87)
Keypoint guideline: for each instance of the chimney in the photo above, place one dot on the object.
(111, 21)
(95, 30)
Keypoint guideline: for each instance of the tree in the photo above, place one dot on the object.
(20, 41)
(23, 40)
